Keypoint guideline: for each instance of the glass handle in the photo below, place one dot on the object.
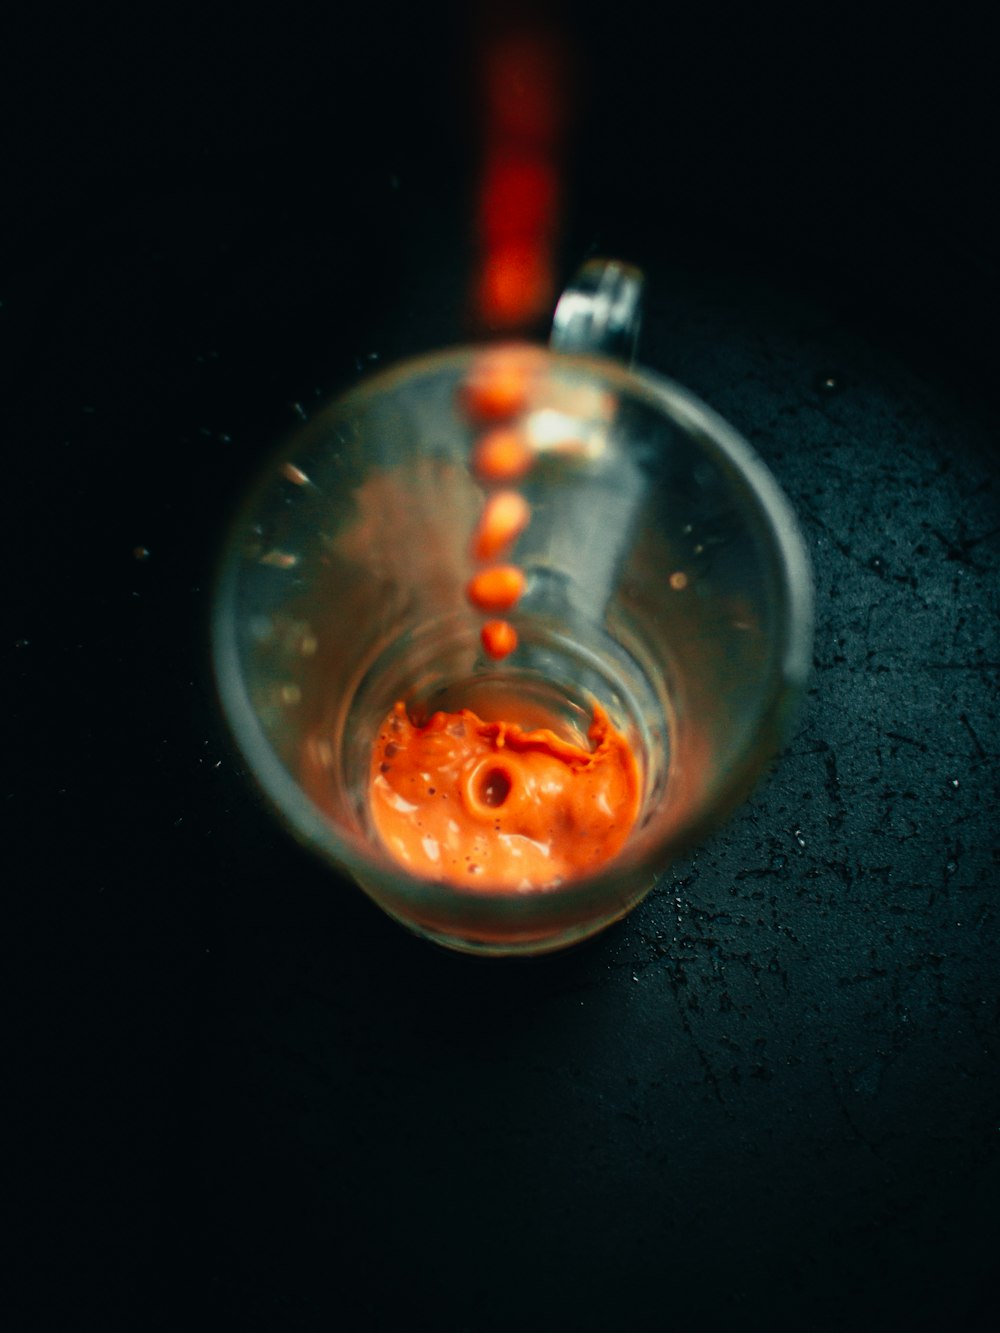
(600, 311)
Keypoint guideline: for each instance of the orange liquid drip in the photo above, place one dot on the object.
(499, 639)
(492, 805)
(505, 516)
(497, 588)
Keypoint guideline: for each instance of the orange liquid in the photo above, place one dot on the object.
(497, 588)
(505, 516)
(491, 804)
(499, 639)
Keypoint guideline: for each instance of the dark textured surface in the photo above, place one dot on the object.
(767, 1099)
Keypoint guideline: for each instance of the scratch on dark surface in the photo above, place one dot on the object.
(677, 978)
(832, 785)
(873, 606)
(789, 933)
(959, 550)
(907, 740)
(823, 409)
(963, 718)
(950, 868)
(845, 1113)
(776, 970)
(986, 1037)
(960, 666)
(872, 565)
(874, 974)
(879, 567)
(820, 747)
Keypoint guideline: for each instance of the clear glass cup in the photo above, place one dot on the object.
(666, 579)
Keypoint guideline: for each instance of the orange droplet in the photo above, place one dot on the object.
(502, 455)
(497, 588)
(504, 519)
(499, 638)
(678, 581)
(496, 389)
(498, 384)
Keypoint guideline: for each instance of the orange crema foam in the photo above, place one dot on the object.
(491, 805)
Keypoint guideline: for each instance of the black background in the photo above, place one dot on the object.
(770, 1097)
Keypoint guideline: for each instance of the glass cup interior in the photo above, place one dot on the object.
(666, 581)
